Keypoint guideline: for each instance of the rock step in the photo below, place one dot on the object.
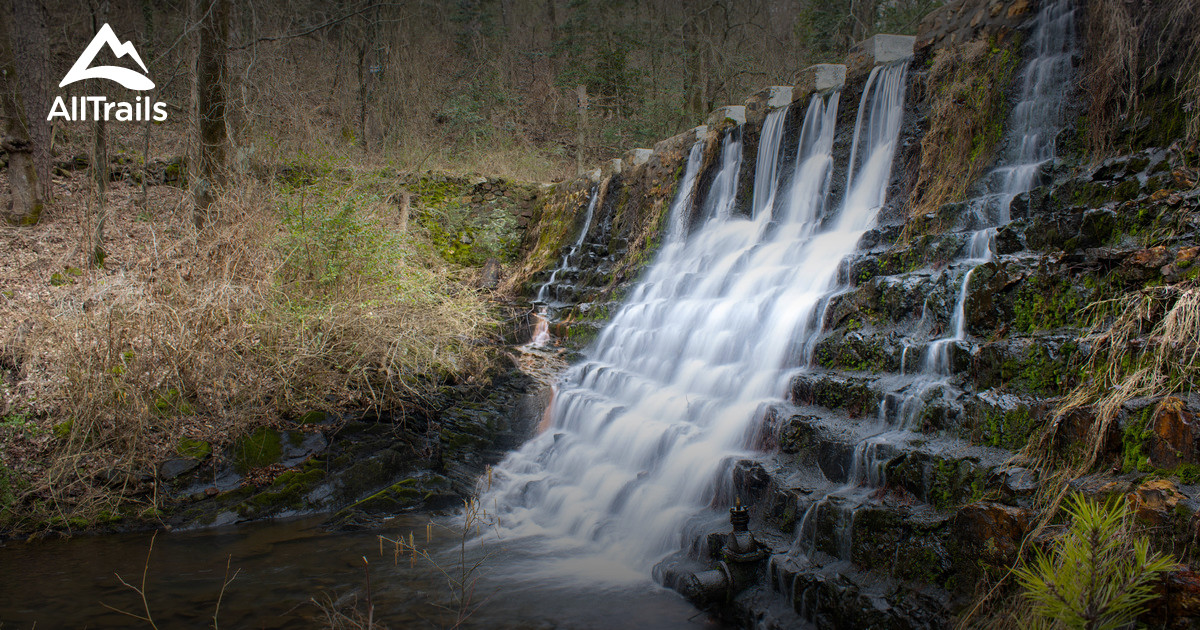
(993, 417)
(1038, 364)
(816, 451)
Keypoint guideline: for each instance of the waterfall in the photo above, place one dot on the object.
(677, 384)
(719, 202)
(766, 175)
(1033, 125)
(686, 193)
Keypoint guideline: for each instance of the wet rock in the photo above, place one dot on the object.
(297, 446)
(1101, 487)
(1185, 266)
(489, 278)
(1174, 433)
(1008, 241)
(429, 492)
(1178, 604)
(1096, 228)
(750, 481)
(1016, 481)
(798, 434)
(853, 395)
(991, 532)
(1154, 501)
(176, 466)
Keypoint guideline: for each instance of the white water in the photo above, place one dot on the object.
(676, 385)
(685, 196)
(766, 170)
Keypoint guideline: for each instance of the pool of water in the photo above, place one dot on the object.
(283, 567)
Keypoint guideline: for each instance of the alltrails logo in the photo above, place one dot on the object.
(100, 107)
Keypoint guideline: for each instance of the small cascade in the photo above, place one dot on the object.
(723, 193)
(541, 328)
(766, 170)
(685, 196)
(676, 386)
(1035, 122)
(543, 294)
(544, 302)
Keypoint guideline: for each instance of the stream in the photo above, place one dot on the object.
(283, 565)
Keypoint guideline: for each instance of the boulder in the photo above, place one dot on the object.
(1155, 500)
(736, 113)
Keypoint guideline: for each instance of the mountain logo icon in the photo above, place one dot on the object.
(126, 77)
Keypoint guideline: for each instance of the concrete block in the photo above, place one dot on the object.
(766, 99)
(819, 78)
(637, 157)
(878, 49)
(737, 113)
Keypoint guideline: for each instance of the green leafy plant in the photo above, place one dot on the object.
(1098, 574)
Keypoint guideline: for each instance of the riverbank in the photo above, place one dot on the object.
(322, 300)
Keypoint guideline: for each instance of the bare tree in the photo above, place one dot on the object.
(208, 173)
(26, 205)
(32, 58)
(99, 159)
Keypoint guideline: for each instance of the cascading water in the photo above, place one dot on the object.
(541, 327)
(766, 170)
(687, 192)
(1033, 125)
(677, 384)
(543, 294)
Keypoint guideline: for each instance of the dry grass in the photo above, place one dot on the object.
(291, 300)
(1137, 51)
(1144, 343)
(965, 122)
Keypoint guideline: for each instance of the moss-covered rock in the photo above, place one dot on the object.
(260, 448)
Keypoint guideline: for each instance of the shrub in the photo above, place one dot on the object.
(1098, 575)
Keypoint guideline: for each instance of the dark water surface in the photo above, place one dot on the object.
(283, 565)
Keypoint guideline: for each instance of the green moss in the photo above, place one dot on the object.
(172, 402)
(259, 449)
(1010, 429)
(286, 492)
(196, 449)
(404, 495)
(1045, 303)
(1133, 443)
(313, 417)
(1127, 190)
(62, 430)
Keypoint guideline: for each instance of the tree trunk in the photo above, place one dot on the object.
(32, 58)
(582, 95)
(208, 175)
(25, 208)
(99, 162)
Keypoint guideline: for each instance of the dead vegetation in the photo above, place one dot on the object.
(1143, 344)
(290, 300)
(1143, 73)
(965, 121)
